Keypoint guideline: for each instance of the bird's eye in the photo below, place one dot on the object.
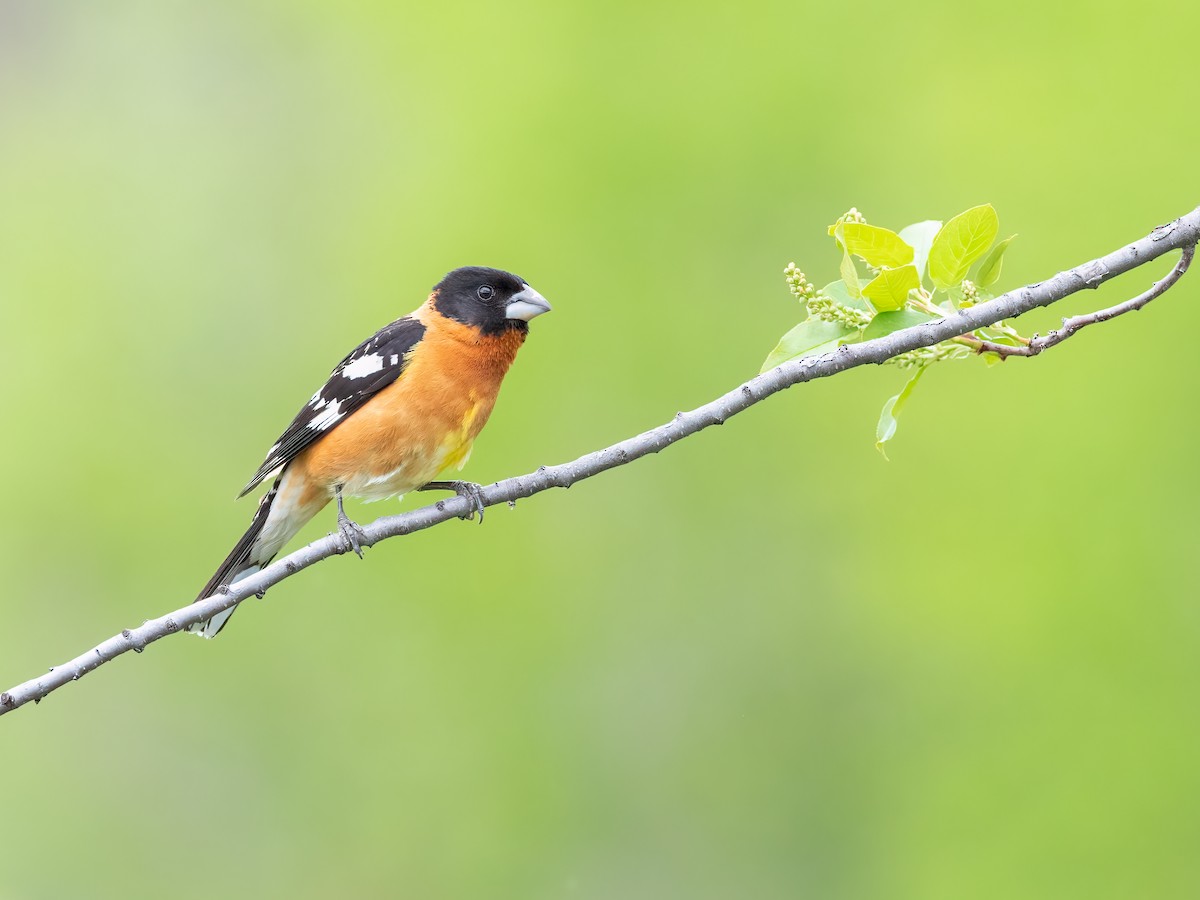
(485, 292)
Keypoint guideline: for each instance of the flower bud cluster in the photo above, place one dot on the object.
(798, 284)
(927, 356)
(852, 215)
(823, 307)
(970, 293)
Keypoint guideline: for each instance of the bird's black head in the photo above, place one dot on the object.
(489, 299)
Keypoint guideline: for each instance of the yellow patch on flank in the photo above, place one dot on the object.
(458, 445)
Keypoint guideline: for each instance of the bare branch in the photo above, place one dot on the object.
(1075, 323)
(1182, 234)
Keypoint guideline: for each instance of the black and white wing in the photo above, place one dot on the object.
(370, 367)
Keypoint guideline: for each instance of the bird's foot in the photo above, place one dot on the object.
(468, 489)
(353, 534)
(348, 528)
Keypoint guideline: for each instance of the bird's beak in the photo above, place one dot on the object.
(526, 305)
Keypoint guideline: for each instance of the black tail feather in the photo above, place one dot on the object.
(237, 562)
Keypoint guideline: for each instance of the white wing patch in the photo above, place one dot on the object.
(364, 366)
(327, 417)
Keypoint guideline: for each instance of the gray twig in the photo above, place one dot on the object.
(1075, 323)
(1182, 234)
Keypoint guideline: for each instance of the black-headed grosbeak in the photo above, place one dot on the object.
(404, 406)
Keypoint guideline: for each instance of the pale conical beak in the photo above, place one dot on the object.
(526, 305)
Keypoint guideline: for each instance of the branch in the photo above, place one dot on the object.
(1182, 234)
(1075, 323)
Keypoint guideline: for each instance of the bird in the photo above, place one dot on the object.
(402, 408)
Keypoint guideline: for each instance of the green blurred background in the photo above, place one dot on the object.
(766, 663)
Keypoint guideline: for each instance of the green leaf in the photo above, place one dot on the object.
(961, 241)
(850, 276)
(989, 269)
(889, 289)
(876, 246)
(848, 272)
(887, 322)
(837, 291)
(886, 429)
(997, 337)
(809, 337)
(920, 237)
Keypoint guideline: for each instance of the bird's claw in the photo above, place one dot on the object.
(474, 493)
(349, 529)
(468, 489)
(351, 533)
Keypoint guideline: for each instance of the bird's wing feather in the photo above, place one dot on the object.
(368, 369)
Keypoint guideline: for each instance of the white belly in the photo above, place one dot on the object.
(412, 474)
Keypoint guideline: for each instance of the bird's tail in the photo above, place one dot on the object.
(240, 563)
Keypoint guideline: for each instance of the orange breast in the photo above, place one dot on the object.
(422, 423)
